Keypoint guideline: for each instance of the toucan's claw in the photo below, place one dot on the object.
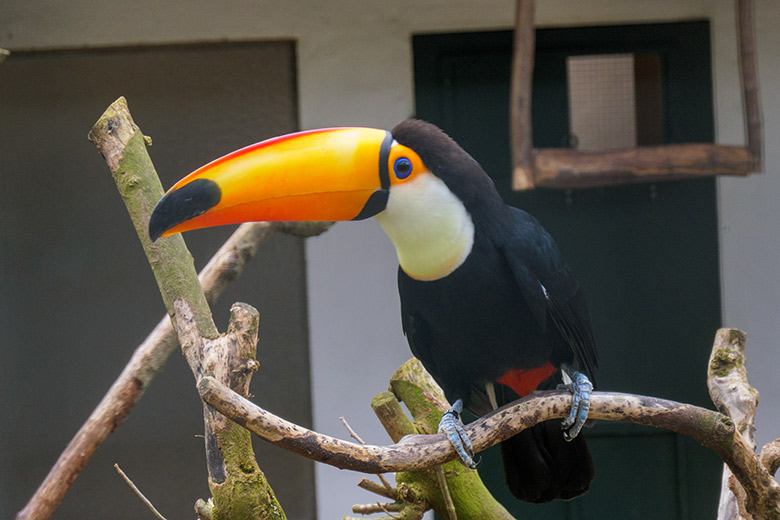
(451, 426)
(580, 387)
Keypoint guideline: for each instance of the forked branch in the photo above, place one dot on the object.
(710, 428)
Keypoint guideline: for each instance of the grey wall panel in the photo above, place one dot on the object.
(76, 294)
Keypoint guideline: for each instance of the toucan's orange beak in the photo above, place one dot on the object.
(331, 174)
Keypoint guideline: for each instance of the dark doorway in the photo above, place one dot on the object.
(77, 295)
(646, 255)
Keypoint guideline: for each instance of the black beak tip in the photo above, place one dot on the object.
(178, 206)
(155, 228)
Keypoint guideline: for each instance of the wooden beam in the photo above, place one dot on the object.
(748, 75)
(568, 168)
(520, 130)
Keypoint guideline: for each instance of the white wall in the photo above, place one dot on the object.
(749, 212)
(355, 68)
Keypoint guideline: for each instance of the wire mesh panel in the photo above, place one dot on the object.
(602, 101)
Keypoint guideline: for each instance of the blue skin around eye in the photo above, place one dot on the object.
(402, 168)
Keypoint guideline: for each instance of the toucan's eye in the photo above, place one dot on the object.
(402, 167)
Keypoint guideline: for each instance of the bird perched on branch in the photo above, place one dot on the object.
(487, 303)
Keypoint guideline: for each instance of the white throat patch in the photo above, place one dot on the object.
(429, 226)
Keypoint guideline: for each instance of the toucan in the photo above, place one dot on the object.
(487, 303)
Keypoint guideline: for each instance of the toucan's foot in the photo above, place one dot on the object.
(451, 426)
(580, 387)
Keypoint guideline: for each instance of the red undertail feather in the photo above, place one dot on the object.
(523, 382)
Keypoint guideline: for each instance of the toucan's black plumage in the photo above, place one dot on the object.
(513, 305)
(487, 303)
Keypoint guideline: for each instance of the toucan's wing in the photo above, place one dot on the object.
(549, 287)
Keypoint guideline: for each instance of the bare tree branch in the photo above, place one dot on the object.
(380, 489)
(146, 362)
(238, 487)
(355, 436)
(734, 397)
(138, 493)
(416, 452)
(770, 456)
(351, 432)
(225, 266)
(727, 382)
(462, 489)
(370, 509)
(729, 437)
(710, 428)
(449, 504)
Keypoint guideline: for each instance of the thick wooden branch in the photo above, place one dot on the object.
(709, 428)
(392, 416)
(732, 394)
(452, 490)
(734, 397)
(236, 483)
(238, 486)
(123, 145)
(225, 266)
(727, 382)
(420, 452)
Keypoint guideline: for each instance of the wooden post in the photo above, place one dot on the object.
(748, 75)
(520, 128)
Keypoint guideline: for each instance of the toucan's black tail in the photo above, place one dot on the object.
(540, 465)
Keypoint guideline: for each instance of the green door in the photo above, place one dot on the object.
(646, 254)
